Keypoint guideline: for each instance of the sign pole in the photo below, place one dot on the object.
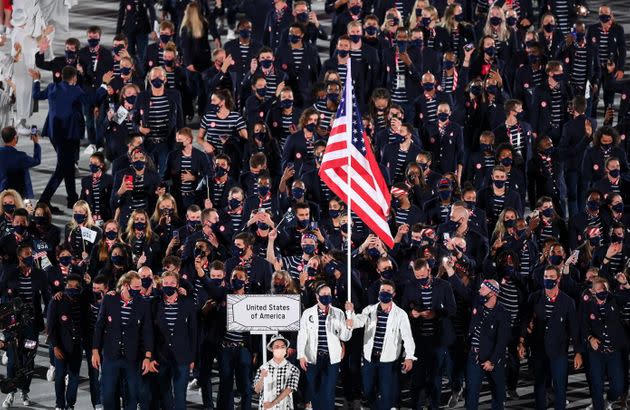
(348, 92)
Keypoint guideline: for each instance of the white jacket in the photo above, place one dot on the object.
(398, 330)
(336, 332)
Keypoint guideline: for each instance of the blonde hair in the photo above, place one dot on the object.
(502, 33)
(193, 21)
(418, 4)
(89, 222)
(385, 25)
(131, 233)
(156, 213)
(126, 279)
(19, 203)
(103, 249)
(284, 275)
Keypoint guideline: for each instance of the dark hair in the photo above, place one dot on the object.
(172, 260)
(8, 134)
(75, 277)
(68, 73)
(246, 237)
(388, 283)
(100, 280)
(579, 104)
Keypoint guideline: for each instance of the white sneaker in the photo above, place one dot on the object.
(193, 385)
(25, 399)
(50, 374)
(67, 377)
(5, 358)
(89, 150)
(58, 408)
(98, 407)
(8, 401)
(22, 129)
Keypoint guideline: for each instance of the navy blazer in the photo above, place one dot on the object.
(259, 274)
(494, 334)
(104, 62)
(124, 202)
(9, 285)
(295, 151)
(447, 150)
(63, 331)
(176, 113)
(593, 163)
(390, 155)
(512, 200)
(109, 337)
(105, 185)
(573, 143)
(592, 325)
(135, 17)
(181, 347)
(540, 115)
(412, 73)
(551, 336)
(14, 167)
(302, 80)
(201, 168)
(616, 42)
(65, 109)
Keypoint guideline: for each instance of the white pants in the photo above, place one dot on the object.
(21, 78)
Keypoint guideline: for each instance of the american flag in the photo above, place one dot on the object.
(368, 193)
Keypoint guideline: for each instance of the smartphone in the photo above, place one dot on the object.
(447, 236)
(575, 254)
(469, 46)
(176, 235)
(129, 179)
(112, 106)
(313, 225)
(290, 165)
(33, 129)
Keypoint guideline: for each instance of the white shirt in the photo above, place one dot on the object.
(398, 330)
(336, 332)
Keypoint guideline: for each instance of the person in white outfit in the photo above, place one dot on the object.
(277, 379)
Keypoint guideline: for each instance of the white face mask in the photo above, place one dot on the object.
(279, 353)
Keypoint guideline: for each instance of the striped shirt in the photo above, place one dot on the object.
(342, 70)
(217, 191)
(561, 11)
(298, 56)
(125, 313)
(525, 259)
(170, 79)
(25, 288)
(294, 265)
(537, 76)
(96, 195)
(428, 325)
(498, 202)
(508, 298)
(606, 343)
(272, 84)
(216, 127)
(233, 337)
(402, 215)
(401, 163)
(556, 107)
(322, 339)
(287, 121)
(431, 108)
(325, 115)
(159, 109)
(398, 90)
(516, 138)
(381, 327)
(186, 165)
(170, 315)
(476, 333)
(549, 304)
(445, 211)
(602, 45)
(245, 59)
(578, 75)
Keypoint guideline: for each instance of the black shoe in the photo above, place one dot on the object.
(55, 210)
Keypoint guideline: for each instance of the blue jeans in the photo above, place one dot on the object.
(93, 374)
(70, 365)
(173, 379)
(575, 192)
(208, 353)
(474, 378)
(602, 365)
(137, 46)
(234, 361)
(386, 375)
(159, 155)
(321, 379)
(556, 368)
(112, 370)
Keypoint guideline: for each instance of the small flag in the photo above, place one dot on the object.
(88, 235)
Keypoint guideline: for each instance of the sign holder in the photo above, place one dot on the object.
(264, 342)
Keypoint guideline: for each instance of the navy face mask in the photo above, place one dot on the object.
(385, 297)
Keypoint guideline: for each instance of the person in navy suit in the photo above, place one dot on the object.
(14, 164)
(175, 342)
(124, 335)
(65, 125)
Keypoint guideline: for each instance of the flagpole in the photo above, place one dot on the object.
(348, 99)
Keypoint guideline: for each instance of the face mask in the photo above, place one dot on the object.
(308, 249)
(138, 165)
(118, 260)
(475, 90)
(450, 225)
(303, 223)
(443, 116)
(245, 34)
(533, 59)
(234, 203)
(605, 146)
(459, 17)
(279, 353)
(509, 223)
(555, 260)
(373, 253)
(262, 226)
(71, 55)
(495, 21)
(334, 213)
(426, 21)
(263, 190)
(334, 97)
(157, 82)
(549, 151)
(431, 262)
(549, 283)
(198, 252)
(444, 194)
(93, 42)
(213, 108)
(193, 225)
(471, 205)
(169, 290)
(302, 17)
(165, 38)
(549, 28)
(216, 281)
(508, 271)
(387, 274)
(28, 261)
(330, 268)
(547, 213)
(490, 51)
(602, 295)
(385, 297)
(604, 18)
(166, 211)
(355, 10)
(127, 70)
(237, 284)
(97, 296)
(294, 39)
(614, 173)
(343, 227)
(118, 49)
(579, 36)
(131, 99)
(398, 139)
(8, 208)
(595, 241)
(65, 260)
(139, 226)
(286, 104)
(219, 171)
(423, 166)
(498, 183)
(325, 299)
(371, 30)
(511, 21)
(261, 91)
(506, 162)
(416, 43)
(79, 218)
(19, 229)
(72, 292)
(134, 293)
(486, 147)
(297, 193)
(428, 86)
(343, 53)
(616, 239)
(40, 220)
(423, 281)
(310, 127)
(94, 168)
(520, 115)
(481, 299)
(395, 203)
(355, 38)
(238, 251)
(448, 64)
(492, 89)
(558, 78)
(146, 282)
(169, 63)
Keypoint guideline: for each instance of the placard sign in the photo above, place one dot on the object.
(263, 313)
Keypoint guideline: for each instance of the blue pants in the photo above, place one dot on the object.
(112, 370)
(544, 368)
(137, 46)
(149, 391)
(70, 365)
(474, 377)
(427, 372)
(173, 379)
(208, 353)
(30, 334)
(575, 192)
(159, 155)
(321, 379)
(93, 374)
(457, 364)
(386, 376)
(602, 364)
(64, 171)
(234, 361)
